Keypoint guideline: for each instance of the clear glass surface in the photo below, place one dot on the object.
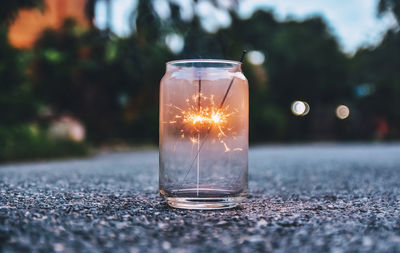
(203, 134)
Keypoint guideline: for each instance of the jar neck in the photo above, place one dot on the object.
(204, 65)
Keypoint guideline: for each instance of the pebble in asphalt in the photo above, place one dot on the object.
(306, 198)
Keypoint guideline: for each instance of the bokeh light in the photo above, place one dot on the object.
(256, 57)
(67, 128)
(300, 108)
(174, 42)
(342, 112)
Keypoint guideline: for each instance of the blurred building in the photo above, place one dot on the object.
(30, 23)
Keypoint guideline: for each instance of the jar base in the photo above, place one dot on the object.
(204, 203)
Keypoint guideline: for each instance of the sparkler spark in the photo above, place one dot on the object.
(202, 119)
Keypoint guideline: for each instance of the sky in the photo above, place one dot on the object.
(354, 22)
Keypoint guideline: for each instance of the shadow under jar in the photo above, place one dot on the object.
(203, 134)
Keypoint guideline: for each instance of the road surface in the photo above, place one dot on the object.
(303, 198)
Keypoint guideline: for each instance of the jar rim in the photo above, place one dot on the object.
(216, 63)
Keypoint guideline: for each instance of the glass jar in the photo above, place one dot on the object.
(203, 134)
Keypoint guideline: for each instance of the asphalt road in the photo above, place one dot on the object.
(307, 198)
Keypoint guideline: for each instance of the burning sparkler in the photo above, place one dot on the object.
(202, 120)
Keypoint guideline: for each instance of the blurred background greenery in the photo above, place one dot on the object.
(72, 86)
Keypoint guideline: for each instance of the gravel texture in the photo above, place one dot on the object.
(311, 198)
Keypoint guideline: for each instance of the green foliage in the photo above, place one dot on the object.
(21, 142)
(18, 105)
(16, 96)
(271, 124)
(379, 67)
(72, 73)
(109, 84)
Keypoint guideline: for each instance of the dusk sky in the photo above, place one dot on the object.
(355, 22)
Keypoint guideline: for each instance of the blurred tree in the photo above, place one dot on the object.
(376, 80)
(72, 72)
(375, 70)
(20, 138)
(17, 103)
(16, 99)
(308, 65)
(90, 11)
(393, 6)
(111, 84)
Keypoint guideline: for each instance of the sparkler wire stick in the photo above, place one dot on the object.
(230, 84)
(199, 103)
(198, 139)
(199, 147)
